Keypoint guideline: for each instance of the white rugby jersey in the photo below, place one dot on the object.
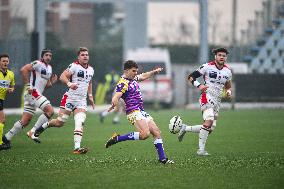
(82, 76)
(215, 78)
(40, 75)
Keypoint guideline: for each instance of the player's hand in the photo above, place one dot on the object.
(203, 88)
(73, 86)
(229, 94)
(157, 70)
(29, 88)
(91, 99)
(111, 107)
(10, 90)
(53, 78)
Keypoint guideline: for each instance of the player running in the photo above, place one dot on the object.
(217, 76)
(78, 78)
(36, 76)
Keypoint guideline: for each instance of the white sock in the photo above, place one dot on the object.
(193, 128)
(45, 125)
(15, 130)
(116, 118)
(40, 121)
(77, 138)
(104, 113)
(78, 132)
(203, 134)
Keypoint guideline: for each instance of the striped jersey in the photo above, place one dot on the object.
(131, 94)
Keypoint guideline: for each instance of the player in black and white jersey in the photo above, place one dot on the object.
(217, 77)
(36, 76)
(78, 78)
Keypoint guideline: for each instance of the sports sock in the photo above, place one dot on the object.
(15, 130)
(104, 113)
(160, 149)
(40, 121)
(40, 129)
(77, 138)
(1, 132)
(203, 134)
(116, 118)
(193, 128)
(129, 136)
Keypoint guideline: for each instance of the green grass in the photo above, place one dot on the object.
(246, 149)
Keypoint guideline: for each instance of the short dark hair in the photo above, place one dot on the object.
(221, 49)
(81, 49)
(130, 64)
(45, 51)
(4, 55)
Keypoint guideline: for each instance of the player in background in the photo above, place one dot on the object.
(78, 78)
(118, 110)
(128, 89)
(217, 77)
(111, 81)
(7, 83)
(36, 76)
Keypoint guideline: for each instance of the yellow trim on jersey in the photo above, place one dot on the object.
(7, 81)
(125, 82)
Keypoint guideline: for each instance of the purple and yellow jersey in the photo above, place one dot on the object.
(131, 94)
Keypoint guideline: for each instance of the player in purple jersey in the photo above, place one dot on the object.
(128, 89)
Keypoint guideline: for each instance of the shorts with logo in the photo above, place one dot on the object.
(207, 101)
(70, 104)
(135, 115)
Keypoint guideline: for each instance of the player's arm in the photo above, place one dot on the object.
(228, 88)
(115, 100)
(192, 79)
(65, 78)
(149, 74)
(12, 84)
(51, 81)
(25, 71)
(90, 94)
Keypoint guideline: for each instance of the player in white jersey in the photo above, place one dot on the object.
(36, 76)
(217, 77)
(78, 77)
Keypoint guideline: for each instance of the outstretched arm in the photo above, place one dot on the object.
(149, 74)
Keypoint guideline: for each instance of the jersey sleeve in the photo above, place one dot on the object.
(202, 69)
(35, 64)
(12, 84)
(122, 85)
(71, 68)
(137, 78)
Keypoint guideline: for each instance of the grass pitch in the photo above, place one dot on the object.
(246, 150)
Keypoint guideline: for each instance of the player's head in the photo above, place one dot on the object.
(4, 61)
(46, 55)
(130, 69)
(220, 55)
(83, 55)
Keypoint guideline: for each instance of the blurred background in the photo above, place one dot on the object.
(184, 30)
